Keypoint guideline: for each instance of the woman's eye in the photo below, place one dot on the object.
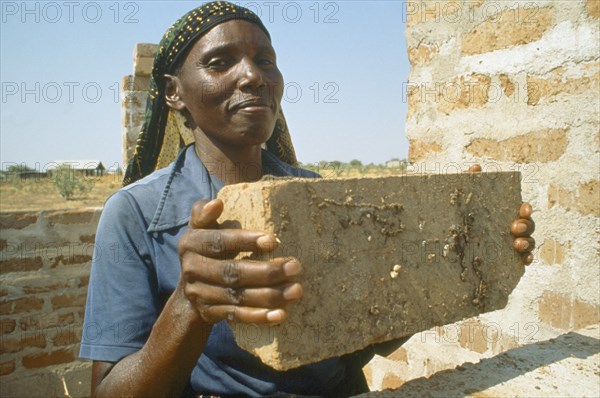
(266, 61)
(217, 63)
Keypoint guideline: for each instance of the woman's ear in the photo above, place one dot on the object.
(173, 92)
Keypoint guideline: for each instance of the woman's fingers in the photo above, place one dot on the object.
(239, 273)
(226, 243)
(205, 214)
(524, 245)
(264, 297)
(217, 313)
(522, 227)
(476, 168)
(525, 211)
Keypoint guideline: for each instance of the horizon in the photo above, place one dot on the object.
(62, 65)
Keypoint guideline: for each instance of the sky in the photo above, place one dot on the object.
(61, 63)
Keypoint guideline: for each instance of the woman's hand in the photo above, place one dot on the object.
(521, 229)
(220, 287)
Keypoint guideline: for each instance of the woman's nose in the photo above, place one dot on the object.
(251, 76)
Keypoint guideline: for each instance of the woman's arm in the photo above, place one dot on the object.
(163, 366)
(213, 286)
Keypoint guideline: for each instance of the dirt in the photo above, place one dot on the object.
(39, 194)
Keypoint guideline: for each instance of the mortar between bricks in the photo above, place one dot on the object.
(382, 258)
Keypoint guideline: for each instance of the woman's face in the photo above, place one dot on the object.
(230, 84)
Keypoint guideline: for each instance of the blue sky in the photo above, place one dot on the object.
(61, 63)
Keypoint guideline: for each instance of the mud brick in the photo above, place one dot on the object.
(382, 257)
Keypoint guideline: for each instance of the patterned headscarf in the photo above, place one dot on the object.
(164, 132)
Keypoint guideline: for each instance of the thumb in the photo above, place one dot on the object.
(205, 214)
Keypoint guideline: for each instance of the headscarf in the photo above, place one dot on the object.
(164, 132)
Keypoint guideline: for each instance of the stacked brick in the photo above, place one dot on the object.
(135, 94)
(44, 272)
(512, 85)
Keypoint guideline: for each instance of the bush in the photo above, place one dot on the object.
(67, 180)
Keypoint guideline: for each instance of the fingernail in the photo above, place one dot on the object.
(293, 292)
(276, 316)
(521, 245)
(292, 268)
(521, 227)
(266, 241)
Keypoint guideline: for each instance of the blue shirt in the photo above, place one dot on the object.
(136, 268)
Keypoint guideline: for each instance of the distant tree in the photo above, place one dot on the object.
(18, 169)
(356, 163)
(67, 180)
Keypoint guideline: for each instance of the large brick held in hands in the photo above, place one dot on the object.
(382, 258)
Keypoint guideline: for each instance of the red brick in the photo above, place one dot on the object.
(71, 260)
(42, 288)
(7, 367)
(42, 360)
(87, 238)
(42, 321)
(3, 292)
(24, 304)
(84, 281)
(21, 264)
(17, 220)
(3, 244)
(68, 300)
(25, 340)
(66, 336)
(69, 217)
(7, 326)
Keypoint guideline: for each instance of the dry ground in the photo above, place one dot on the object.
(40, 194)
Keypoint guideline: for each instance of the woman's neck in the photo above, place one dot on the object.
(231, 165)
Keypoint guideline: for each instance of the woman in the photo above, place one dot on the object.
(164, 282)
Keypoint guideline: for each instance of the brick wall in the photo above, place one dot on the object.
(512, 85)
(509, 84)
(45, 260)
(135, 94)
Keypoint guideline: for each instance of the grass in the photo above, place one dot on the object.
(40, 194)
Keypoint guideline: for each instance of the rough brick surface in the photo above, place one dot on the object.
(21, 264)
(382, 257)
(44, 359)
(509, 28)
(584, 200)
(419, 150)
(539, 146)
(17, 220)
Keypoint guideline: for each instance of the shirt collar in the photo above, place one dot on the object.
(189, 181)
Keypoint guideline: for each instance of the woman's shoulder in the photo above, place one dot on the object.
(142, 196)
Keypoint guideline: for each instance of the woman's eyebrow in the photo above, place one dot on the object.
(227, 47)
